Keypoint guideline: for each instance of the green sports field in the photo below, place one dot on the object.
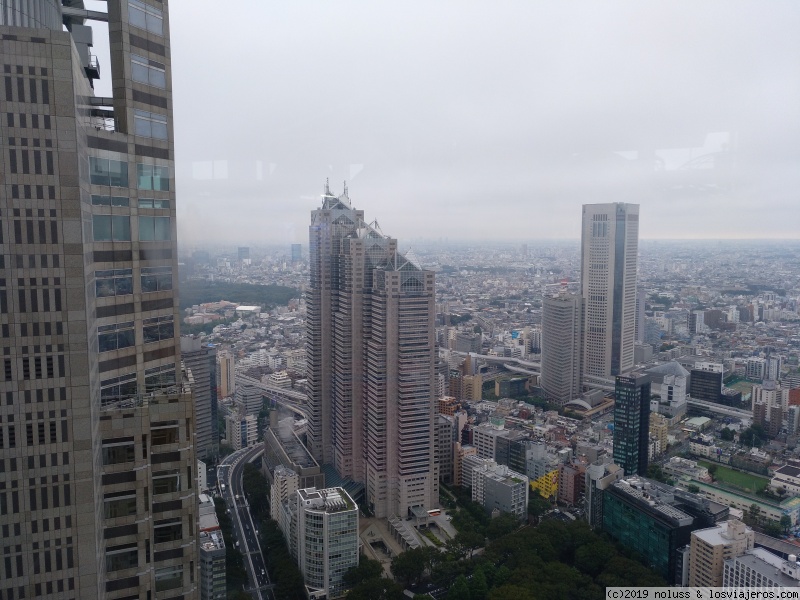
(744, 481)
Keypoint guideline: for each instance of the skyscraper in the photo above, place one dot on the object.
(632, 423)
(97, 463)
(297, 253)
(562, 339)
(609, 246)
(371, 369)
(201, 360)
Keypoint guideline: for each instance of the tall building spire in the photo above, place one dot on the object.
(370, 344)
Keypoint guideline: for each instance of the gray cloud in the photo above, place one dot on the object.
(487, 119)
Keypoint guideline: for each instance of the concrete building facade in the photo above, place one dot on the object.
(371, 360)
(609, 247)
(97, 417)
(710, 548)
(562, 347)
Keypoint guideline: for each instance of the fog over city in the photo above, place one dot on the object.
(478, 120)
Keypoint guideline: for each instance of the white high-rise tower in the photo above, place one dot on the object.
(609, 247)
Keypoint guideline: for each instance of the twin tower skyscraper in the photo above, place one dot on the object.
(371, 360)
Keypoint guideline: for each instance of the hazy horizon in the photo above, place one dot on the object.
(476, 120)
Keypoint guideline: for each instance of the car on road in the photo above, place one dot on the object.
(262, 572)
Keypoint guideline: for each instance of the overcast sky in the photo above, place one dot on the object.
(487, 120)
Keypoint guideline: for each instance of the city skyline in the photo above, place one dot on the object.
(554, 108)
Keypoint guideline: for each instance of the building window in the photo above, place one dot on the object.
(152, 177)
(116, 336)
(168, 578)
(103, 171)
(153, 203)
(118, 388)
(124, 506)
(154, 229)
(149, 124)
(122, 557)
(118, 453)
(168, 530)
(166, 482)
(148, 71)
(110, 201)
(111, 228)
(118, 282)
(158, 329)
(159, 377)
(145, 17)
(156, 279)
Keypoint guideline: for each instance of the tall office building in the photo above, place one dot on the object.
(97, 463)
(201, 361)
(562, 339)
(297, 253)
(632, 423)
(609, 246)
(371, 360)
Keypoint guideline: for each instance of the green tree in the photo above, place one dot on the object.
(726, 434)
(377, 588)
(537, 505)
(511, 592)
(501, 525)
(366, 569)
(459, 590)
(478, 588)
(786, 524)
(593, 557)
(712, 468)
(654, 472)
(692, 489)
(470, 540)
(409, 566)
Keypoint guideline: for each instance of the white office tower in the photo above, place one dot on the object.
(609, 246)
(562, 338)
(327, 539)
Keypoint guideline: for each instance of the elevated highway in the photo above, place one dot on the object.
(290, 399)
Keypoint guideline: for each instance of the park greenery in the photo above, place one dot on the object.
(266, 296)
(553, 560)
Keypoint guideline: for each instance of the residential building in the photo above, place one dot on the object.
(768, 406)
(711, 547)
(759, 568)
(659, 429)
(571, 482)
(632, 423)
(241, 430)
(249, 396)
(226, 373)
(460, 454)
(562, 340)
(371, 360)
(609, 247)
(201, 361)
(496, 487)
(327, 539)
(202, 476)
(96, 407)
(212, 552)
(787, 478)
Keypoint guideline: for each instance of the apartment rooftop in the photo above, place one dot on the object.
(653, 498)
(329, 500)
(211, 540)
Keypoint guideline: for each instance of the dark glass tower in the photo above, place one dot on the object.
(632, 423)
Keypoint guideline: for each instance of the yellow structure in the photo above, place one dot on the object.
(547, 485)
(659, 428)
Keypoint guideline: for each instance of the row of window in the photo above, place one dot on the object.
(145, 17)
(114, 173)
(124, 201)
(117, 228)
(119, 282)
(117, 389)
(122, 335)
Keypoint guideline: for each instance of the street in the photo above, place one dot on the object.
(229, 473)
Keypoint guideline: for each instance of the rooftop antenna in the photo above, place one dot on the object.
(345, 190)
(327, 187)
